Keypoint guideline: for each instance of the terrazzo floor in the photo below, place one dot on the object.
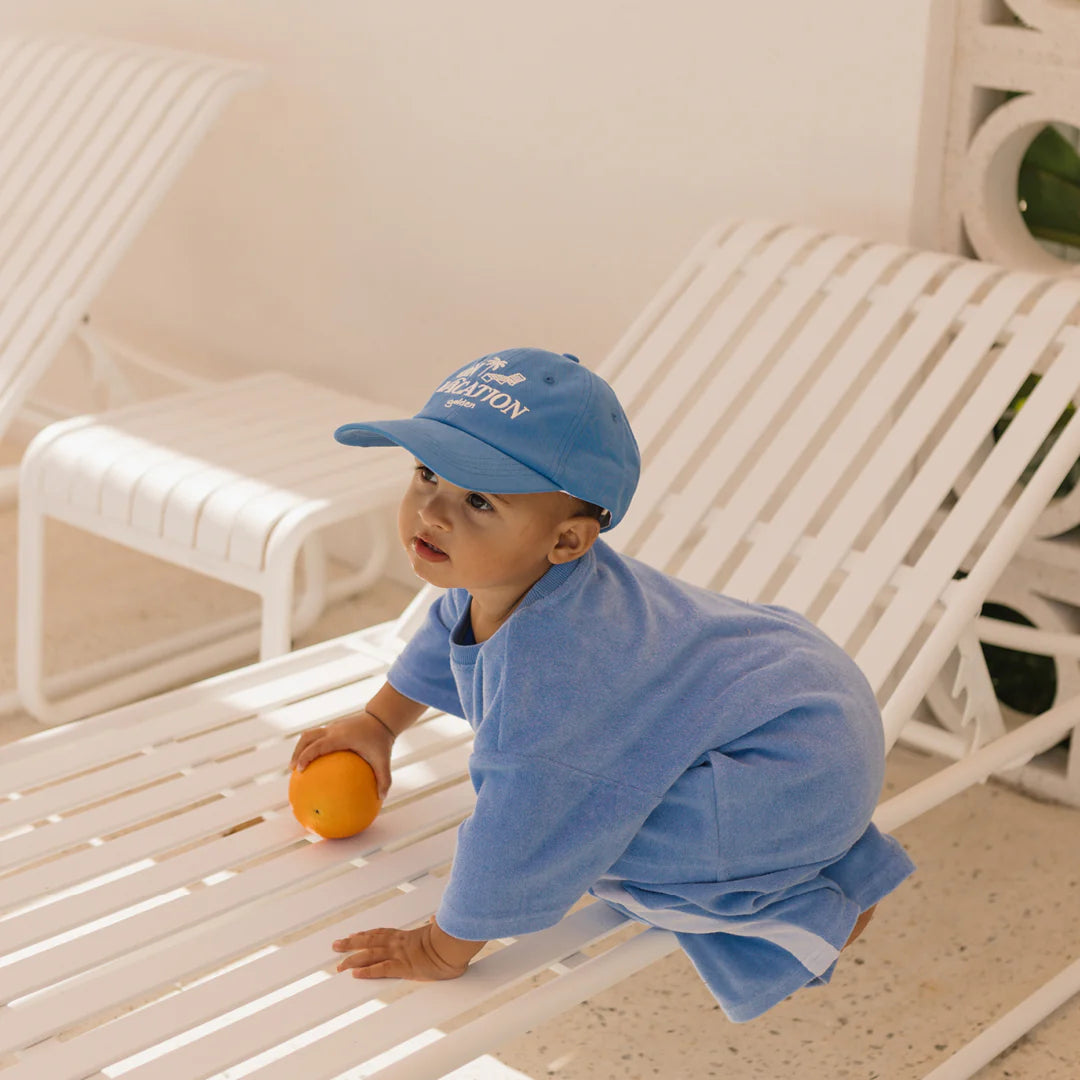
(993, 911)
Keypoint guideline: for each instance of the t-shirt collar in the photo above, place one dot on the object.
(555, 577)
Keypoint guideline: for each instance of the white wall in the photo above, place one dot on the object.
(421, 182)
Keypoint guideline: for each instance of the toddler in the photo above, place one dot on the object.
(702, 764)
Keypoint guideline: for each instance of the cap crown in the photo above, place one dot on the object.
(552, 415)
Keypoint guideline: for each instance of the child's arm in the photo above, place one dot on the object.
(429, 953)
(426, 953)
(369, 733)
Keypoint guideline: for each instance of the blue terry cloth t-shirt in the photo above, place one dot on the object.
(704, 765)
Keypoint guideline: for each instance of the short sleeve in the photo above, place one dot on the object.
(422, 669)
(540, 835)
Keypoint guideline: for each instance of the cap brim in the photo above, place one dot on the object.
(453, 454)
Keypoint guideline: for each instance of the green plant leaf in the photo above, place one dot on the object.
(1052, 210)
(1048, 188)
(1051, 152)
(1006, 418)
(1051, 206)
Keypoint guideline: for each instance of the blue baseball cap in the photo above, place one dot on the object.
(519, 421)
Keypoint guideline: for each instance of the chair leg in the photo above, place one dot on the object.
(312, 602)
(280, 586)
(102, 685)
(1008, 752)
(349, 585)
(283, 618)
(119, 679)
(1006, 1030)
(172, 661)
(30, 607)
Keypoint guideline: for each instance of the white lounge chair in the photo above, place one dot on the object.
(229, 479)
(806, 404)
(93, 133)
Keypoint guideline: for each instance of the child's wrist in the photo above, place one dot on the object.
(453, 951)
(382, 723)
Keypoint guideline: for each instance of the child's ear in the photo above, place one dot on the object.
(576, 536)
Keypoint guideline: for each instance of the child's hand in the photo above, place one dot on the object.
(362, 734)
(424, 954)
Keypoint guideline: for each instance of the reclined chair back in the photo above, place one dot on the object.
(820, 420)
(93, 134)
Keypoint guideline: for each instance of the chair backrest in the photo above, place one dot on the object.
(92, 133)
(820, 426)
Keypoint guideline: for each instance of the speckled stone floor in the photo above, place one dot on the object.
(993, 911)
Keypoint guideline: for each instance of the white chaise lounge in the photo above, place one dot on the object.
(815, 414)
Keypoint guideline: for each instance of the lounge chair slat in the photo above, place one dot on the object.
(768, 402)
(141, 725)
(727, 380)
(988, 400)
(204, 823)
(207, 1001)
(816, 406)
(157, 965)
(180, 909)
(396, 1024)
(975, 509)
(636, 373)
(670, 392)
(884, 467)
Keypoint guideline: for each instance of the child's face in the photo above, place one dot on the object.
(456, 538)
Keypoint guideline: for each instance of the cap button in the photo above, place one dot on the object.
(571, 356)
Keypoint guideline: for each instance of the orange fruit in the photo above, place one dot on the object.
(336, 795)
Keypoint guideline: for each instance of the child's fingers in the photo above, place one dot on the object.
(377, 944)
(392, 954)
(382, 778)
(302, 743)
(383, 969)
(312, 744)
(375, 964)
(365, 939)
(375, 954)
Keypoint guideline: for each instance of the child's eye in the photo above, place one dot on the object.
(425, 474)
(477, 501)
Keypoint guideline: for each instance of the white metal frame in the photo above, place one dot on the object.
(805, 404)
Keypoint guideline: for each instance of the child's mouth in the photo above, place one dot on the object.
(428, 551)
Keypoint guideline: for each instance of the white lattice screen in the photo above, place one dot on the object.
(997, 75)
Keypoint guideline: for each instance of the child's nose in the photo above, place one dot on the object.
(433, 512)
